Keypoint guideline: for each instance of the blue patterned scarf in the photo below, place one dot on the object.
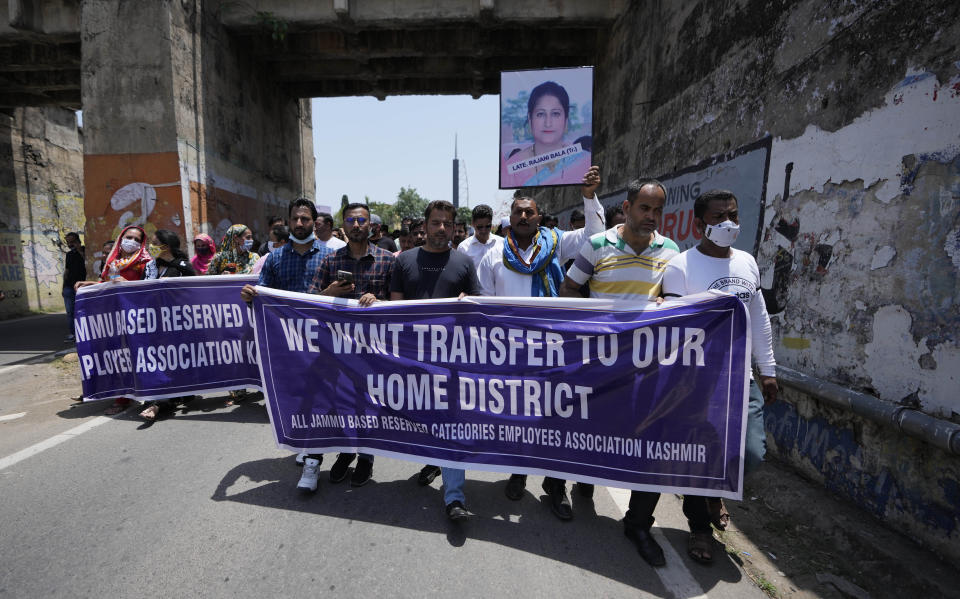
(547, 274)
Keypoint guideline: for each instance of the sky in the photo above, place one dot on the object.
(365, 147)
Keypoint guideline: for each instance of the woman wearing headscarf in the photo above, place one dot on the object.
(169, 261)
(128, 260)
(204, 247)
(234, 257)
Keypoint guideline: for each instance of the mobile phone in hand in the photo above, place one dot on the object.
(346, 276)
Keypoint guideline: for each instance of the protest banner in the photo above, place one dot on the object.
(165, 338)
(611, 393)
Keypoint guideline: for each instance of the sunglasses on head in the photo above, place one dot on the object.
(356, 219)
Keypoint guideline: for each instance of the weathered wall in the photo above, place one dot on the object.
(860, 237)
(185, 132)
(41, 199)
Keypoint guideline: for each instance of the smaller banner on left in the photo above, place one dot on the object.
(165, 338)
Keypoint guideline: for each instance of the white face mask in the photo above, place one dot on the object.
(129, 245)
(275, 245)
(306, 239)
(723, 234)
(248, 244)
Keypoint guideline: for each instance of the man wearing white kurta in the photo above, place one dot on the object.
(528, 262)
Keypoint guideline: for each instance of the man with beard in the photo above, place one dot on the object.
(433, 271)
(627, 262)
(370, 267)
(292, 267)
(529, 262)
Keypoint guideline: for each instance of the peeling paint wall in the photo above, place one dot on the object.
(860, 239)
(41, 200)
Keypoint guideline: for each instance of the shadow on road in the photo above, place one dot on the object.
(590, 541)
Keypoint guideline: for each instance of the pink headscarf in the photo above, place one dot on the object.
(200, 263)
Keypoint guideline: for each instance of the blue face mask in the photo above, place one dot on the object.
(306, 239)
(248, 244)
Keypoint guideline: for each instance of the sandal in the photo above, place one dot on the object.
(115, 409)
(700, 547)
(719, 516)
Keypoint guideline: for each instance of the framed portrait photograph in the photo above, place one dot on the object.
(546, 127)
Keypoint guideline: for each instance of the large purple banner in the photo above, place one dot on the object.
(612, 393)
(165, 338)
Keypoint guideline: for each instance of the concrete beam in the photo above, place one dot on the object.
(306, 13)
(32, 56)
(64, 98)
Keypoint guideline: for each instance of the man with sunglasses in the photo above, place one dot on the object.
(477, 244)
(369, 267)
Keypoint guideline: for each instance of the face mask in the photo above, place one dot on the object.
(248, 244)
(276, 247)
(723, 234)
(306, 239)
(129, 245)
(155, 250)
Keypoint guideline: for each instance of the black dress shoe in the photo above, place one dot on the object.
(456, 511)
(339, 470)
(515, 486)
(559, 502)
(361, 473)
(646, 545)
(427, 475)
(585, 490)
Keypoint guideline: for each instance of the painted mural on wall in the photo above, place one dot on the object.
(862, 231)
(131, 189)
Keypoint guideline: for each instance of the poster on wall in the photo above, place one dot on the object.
(742, 171)
(546, 127)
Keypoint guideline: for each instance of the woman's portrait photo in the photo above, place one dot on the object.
(546, 126)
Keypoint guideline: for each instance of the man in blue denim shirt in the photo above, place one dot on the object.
(291, 268)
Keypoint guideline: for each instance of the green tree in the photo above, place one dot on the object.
(409, 203)
(387, 213)
(338, 217)
(465, 214)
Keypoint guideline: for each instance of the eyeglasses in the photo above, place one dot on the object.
(356, 219)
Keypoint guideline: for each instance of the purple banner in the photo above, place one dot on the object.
(611, 393)
(165, 338)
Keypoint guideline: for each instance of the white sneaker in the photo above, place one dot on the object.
(301, 457)
(308, 480)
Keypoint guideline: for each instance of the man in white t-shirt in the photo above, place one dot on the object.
(324, 230)
(528, 262)
(480, 242)
(714, 264)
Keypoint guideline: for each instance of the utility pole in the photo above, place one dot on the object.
(456, 174)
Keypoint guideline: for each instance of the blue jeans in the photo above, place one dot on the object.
(755, 445)
(453, 479)
(69, 299)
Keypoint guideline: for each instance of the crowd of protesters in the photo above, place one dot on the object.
(616, 253)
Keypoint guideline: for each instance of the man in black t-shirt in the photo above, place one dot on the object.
(75, 270)
(428, 272)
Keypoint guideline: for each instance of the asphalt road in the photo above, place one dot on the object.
(204, 504)
(32, 337)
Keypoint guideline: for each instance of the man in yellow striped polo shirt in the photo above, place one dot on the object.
(626, 262)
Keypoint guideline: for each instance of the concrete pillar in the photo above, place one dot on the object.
(41, 199)
(183, 130)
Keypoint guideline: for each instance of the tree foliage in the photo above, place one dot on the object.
(464, 214)
(409, 203)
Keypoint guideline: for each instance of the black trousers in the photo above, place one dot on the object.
(642, 504)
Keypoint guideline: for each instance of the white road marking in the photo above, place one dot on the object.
(675, 576)
(10, 368)
(13, 416)
(53, 441)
